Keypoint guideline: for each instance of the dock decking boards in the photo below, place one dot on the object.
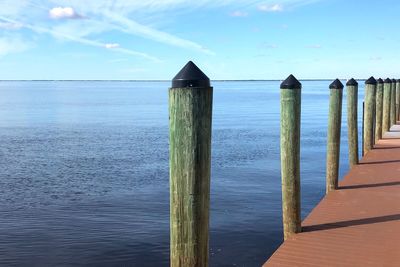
(357, 225)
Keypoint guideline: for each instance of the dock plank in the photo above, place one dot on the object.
(357, 225)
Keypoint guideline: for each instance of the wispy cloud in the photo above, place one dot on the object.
(270, 7)
(239, 14)
(112, 46)
(41, 30)
(63, 13)
(10, 26)
(130, 26)
(125, 16)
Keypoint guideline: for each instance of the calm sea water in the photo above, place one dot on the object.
(84, 171)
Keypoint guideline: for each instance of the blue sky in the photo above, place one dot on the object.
(227, 39)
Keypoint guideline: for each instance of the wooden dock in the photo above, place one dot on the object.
(357, 225)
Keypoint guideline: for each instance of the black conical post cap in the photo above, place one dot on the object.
(387, 80)
(336, 84)
(371, 80)
(352, 82)
(291, 83)
(398, 80)
(393, 80)
(190, 76)
(379, 81)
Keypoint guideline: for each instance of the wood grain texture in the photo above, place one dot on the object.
(386, 108)
(190, 112)
(352, 125)
(290, 160)
(397, 100)
(393, 105)
(333, 144)
(378, 112)
(369, 113)
(362, 128)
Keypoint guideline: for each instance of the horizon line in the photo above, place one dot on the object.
(161, 80)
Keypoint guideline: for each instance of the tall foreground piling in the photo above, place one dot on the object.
(397, 99)
(352, 101)
(393, 103)
(386, 105)
(334, 127)
(369, 113)
(378, 110)
(190, 112)
(290, 155)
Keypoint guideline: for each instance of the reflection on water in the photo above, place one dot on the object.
(84, 171)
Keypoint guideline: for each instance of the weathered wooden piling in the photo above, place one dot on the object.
(378, 110)
(369, 113)
(290, 155)
(362, 128)
(190, 112)
(386, 105)
(397, 99)
(393, 103)
(334, 128)
(352, 102)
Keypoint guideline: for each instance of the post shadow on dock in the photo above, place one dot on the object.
(341, 224)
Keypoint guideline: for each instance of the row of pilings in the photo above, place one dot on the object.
(190, 120)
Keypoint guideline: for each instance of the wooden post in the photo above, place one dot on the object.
(370, 88)
(190, 110)
(362, 126)
(397, 100)
(334, 128)
(393, 103)
(352, 103)
(378, 111)
(386, 105)
(290, 155)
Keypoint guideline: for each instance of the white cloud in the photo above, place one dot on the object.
(271, 8)
(63, 13)
(111, 46)
(239, 14)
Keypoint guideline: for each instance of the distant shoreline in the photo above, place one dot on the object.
(250, 80)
